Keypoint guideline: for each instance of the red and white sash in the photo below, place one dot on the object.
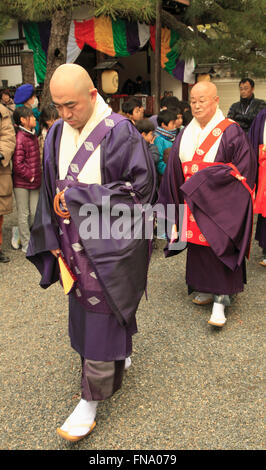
(193, 234)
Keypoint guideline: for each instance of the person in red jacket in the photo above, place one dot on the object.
(27, 171)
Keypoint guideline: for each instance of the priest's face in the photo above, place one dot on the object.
(204, 102)
(75, 104)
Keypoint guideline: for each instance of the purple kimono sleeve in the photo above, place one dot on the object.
(223, 210)
(120, 260)
(121, 264)
(256, 130)
(170, 194)
(220, 203)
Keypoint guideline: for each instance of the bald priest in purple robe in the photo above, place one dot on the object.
(95, 166)
(218, 198)
(257, 136)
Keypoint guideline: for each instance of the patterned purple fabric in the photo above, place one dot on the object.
(120, 266)
(87, 288)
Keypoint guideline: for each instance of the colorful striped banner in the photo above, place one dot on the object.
(115, 38)
(169, 51)
(118, 38)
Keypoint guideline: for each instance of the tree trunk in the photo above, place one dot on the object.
(57, 50)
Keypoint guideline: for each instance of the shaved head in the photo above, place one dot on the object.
(205, 88)
(71, 75)
(74, 94)
(204, 102)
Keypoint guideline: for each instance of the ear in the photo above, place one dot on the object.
(23, 120)
(93, 94)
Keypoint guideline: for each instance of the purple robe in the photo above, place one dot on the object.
(256, 137)
(222, 208)
(121, 266)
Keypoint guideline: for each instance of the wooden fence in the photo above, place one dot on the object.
(10, 52)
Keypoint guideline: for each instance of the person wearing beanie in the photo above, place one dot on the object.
(25, 96)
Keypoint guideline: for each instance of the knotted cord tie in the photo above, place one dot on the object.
(62, 213)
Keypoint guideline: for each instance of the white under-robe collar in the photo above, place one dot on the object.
(194, 135)
(72, 140)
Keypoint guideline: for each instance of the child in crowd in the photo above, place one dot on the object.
(169, 123)
(25, 95)
(26, 171)
(133, 109)
(146, 128)
(48, 116)
(179, 127)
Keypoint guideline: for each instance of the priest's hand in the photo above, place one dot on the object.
(56, 252)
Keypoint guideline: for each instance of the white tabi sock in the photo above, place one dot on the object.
(127, 363)
(217, 316)
(81, 419)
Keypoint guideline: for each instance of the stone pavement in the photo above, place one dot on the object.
(191, 386)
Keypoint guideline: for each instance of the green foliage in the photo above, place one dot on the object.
(219, 29)
(5, 23)
(142, 10)
(36, 10)
(236, 31)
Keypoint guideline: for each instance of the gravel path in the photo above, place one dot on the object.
(190, 386)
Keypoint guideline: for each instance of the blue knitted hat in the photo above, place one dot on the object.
(23, 93)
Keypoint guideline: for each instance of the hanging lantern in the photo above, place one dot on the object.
(109, 76)
(110, 81)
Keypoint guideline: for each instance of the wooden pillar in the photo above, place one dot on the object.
(158, 56)
(185, 91)
(27, 66)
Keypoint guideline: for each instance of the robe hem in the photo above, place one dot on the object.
(208, 290)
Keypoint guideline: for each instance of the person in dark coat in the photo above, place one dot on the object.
(245, 110)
